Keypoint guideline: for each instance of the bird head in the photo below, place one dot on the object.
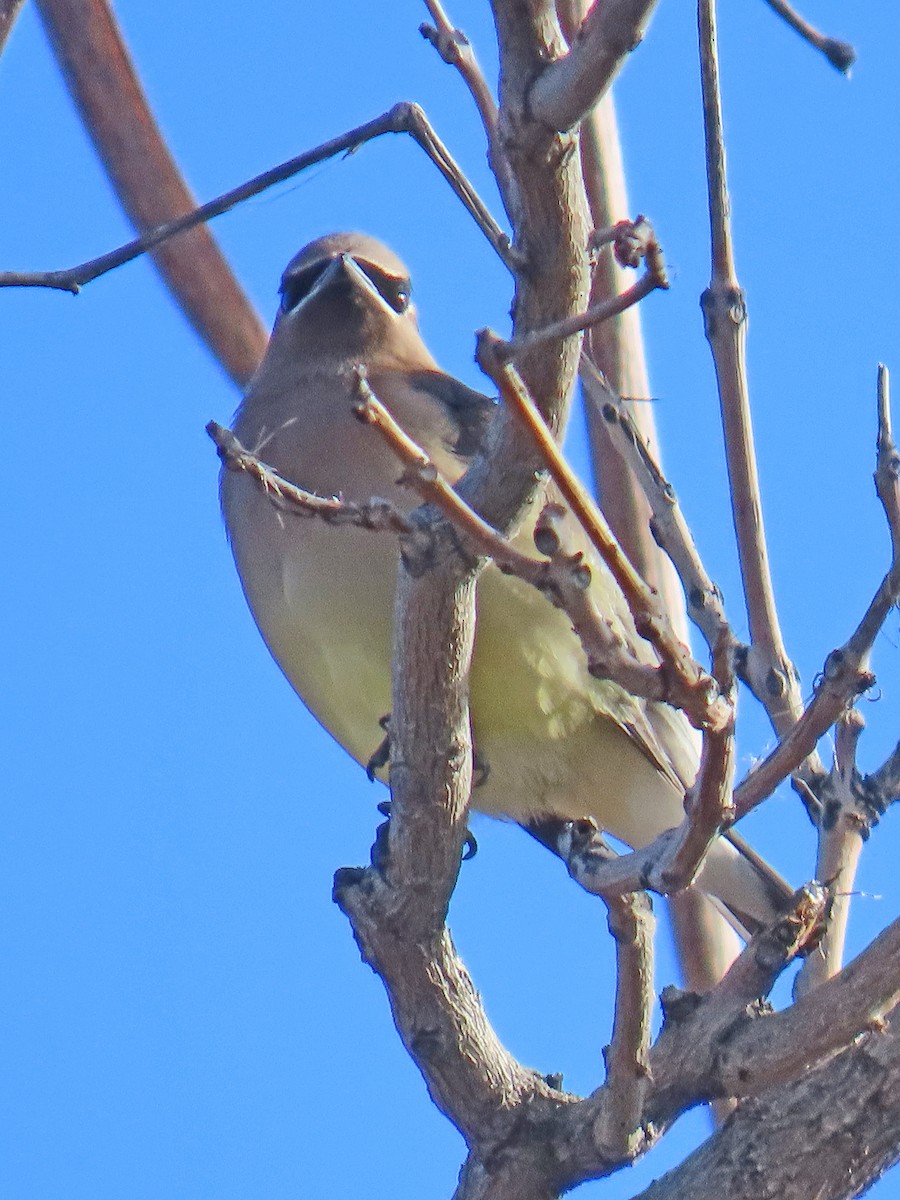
(349, 292)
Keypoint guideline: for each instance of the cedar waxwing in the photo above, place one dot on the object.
(555, 740)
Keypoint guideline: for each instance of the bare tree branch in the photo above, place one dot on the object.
(567, 88)
(456, 50)
(705, 603)
(105, 87)
(842, 827)
(9, 10)
(840, 54)
(804, 1139)
(402, 118)
(692, 688)
(725, 314)
(618, 1130)
(377, 515)
(654, 277)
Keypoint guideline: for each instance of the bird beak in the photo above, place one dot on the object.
(344, 272)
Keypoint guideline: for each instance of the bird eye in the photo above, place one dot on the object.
(297, 286)
(400, 299)
(394, 291)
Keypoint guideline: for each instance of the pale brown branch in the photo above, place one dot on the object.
(843, 679)
(105, 87)
(618, 1130)
(706, 945)
(840, 54)
(9, 10)
(772, 674)
(848, 804)
(377, 515)
(456, 50)
(685, 1059)
(616, 347)
(568, 88)
(692, 688)
(704, 599)
(402, 118)
(597, 313)
(564, 578)
(842, 827)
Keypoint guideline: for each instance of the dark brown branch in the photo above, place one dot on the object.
(568, 88)
(840, 54)
(106, 90)
(402, 118)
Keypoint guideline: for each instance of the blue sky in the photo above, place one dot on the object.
(184, 1010)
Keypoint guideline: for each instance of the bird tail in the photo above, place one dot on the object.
(750, 893)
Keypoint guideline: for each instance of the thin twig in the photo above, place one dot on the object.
(725, 317)
(654, 277)
(402, 118)
(456, 50)
(563, 577)
(568, 88)
(693, 689)
(840, 54)
(378, 515)
(671, 530)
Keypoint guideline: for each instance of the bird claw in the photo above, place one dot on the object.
(382, 756)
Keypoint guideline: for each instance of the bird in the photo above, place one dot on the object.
(555, 742)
